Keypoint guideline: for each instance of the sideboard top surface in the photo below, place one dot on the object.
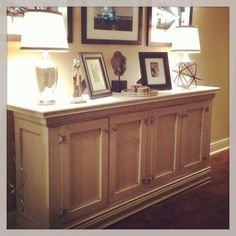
(64, 106)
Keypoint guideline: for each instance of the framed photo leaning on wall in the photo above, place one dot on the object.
(95, 74)
(161, 22)
(155, 72)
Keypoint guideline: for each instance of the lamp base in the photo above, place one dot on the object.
(47, 82)
(46, 76)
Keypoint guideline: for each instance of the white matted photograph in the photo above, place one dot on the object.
(155, 71)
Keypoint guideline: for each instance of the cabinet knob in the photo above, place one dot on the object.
(62, 212)
(114, 129)
(153, 119)
(183, 115)
(61, 138)
(147, 121)
(145, 180)
(150, 178)
(150, 120)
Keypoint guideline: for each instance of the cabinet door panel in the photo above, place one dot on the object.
(32, 172)
(83, 165)
(163, 156)
(127, 155)
(84, 168)
(194, 130)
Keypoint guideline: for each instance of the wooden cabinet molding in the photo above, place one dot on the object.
(93, 164)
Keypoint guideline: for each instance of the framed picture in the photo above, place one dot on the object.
(111, 25)
(162, 21)
(155, 71)
(95, 74)
(15, 17)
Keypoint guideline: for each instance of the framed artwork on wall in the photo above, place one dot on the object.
(161, 22)
(95, 74)
(15, 17)
(111, 25)
(155, 72)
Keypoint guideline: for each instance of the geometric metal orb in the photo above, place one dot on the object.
(186, 74)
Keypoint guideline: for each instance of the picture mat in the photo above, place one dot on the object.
(96, 74)
(160, 79)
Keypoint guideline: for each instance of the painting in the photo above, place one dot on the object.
(95, 74)
(162, 21)
(15, 17)
(111, 25)
(155, 71)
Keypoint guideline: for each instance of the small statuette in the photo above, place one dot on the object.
(77, 83)
(118, 63)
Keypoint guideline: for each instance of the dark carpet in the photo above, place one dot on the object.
(202, 207)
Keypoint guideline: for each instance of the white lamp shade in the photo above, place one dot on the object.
(43, 30)
(186, 39)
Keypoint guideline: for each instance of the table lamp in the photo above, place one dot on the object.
(44, 30)
(186, 40)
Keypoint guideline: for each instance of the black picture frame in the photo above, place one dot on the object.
(95, 74)
(159, 25)
(14, 35)
(106, 35)
(155, 72)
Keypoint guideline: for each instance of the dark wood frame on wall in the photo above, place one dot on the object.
(16, 37)
(87, 40)
(165, 71)
(149, 27)
(70, 24)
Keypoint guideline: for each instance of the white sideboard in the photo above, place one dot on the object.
(89, 165)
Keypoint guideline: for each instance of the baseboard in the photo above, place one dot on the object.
(219, 146)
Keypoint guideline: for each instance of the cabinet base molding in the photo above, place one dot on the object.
(121, 211)
(114, 214)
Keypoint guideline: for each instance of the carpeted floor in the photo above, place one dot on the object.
(203, 207)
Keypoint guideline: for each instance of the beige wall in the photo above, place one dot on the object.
(213, 62)
(213, 23)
